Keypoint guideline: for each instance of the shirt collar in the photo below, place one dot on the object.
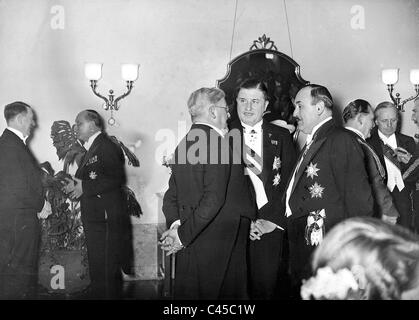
(257, 127)
(311, 135)
(387, 140)
(359, 133)
(219, 131)
(90, 141)
(18, 133)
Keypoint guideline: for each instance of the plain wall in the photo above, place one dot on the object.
(183, 45)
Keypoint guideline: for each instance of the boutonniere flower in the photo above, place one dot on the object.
(316, 190)
(277, 179)
(277, 163)
(312, 170)
(92, 175)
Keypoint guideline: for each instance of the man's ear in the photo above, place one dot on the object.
(360, 119)
(211, 111)
(266, 105)
(320, 107)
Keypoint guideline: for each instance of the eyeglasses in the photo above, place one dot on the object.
(253, 102)
(227, 109)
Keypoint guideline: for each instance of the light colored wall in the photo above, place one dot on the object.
(183, 45)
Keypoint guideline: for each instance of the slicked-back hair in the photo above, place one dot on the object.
(94, 116)
(13, 109)
(201, 98)
(253, 83)
(354, 108)
(320, 93)
(384, 105)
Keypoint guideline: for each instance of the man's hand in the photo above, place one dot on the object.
(391, 220)
(169, 241)
(402, 155)
(46, 211)
(260, 227)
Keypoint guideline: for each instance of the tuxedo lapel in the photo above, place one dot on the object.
(91, 150)
(311, 152)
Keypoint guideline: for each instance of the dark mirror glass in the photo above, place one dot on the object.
(280, 73)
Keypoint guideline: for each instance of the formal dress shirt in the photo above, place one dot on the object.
(91, 139)
(309, 140)
(19, 134)
(394, 175)
(253, 138)
(359, 133)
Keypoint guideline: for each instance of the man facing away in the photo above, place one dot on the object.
(208, 206)
(358, 117)
(395, 151)
(21, 198)
(328, 184)
(269, 154)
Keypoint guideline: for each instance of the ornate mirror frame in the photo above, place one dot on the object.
(279, 72)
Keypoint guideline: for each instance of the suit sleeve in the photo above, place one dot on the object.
(348, 165)
(274, 210)
(112, 174)
(215, 179)
(170, 204)
(15, 188)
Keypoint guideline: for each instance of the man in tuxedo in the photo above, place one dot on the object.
(21, 198)
(98, 184)
(358, 117)
(328, 184)
(208, 206)
(269, 155)
(395, 151)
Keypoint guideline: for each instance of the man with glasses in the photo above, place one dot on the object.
(396, 155)
(269, 156)
(208, 206)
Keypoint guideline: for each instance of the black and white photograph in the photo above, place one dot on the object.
(215, 158)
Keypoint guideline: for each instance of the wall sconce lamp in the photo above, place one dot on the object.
(129, 73)
(390, 78)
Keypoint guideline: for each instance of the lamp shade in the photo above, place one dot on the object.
(390, 76)
(93, 71)
(414, 76)
(129, 72)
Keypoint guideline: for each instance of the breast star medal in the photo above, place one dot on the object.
(92, 175)
(277, 179)
(277, 163)
(312, 170)
(316, 190)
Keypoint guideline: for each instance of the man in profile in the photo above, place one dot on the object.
(21, 199)
(328, 184)
(358, 117)
(208, 206)
(98, 184)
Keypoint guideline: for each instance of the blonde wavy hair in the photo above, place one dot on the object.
(387, 254)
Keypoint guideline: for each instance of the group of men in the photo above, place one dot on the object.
(245, 225)
(97, 184)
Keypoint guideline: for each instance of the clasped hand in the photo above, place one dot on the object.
(260, 227)
(73, 188)
(169, 241)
